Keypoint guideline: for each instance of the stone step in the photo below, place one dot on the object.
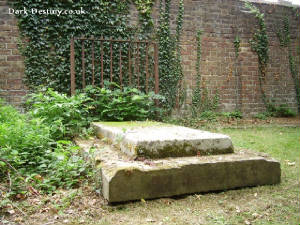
(124, 179)
(159, 140)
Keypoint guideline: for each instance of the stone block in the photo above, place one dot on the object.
(159, 140)
(124, 179)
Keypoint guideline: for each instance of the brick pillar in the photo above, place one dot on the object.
(12, 88)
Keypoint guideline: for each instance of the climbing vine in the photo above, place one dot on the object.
(196, 99)
(236, 43)
(170, 69)
(46, 37)
(260, 45)
(284, 37)
(201, 101)
(47, 41)
(144, 8)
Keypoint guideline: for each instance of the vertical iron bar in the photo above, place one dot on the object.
(129, 63)
(138, 65)
(120, 65)
(72, 66)
(111, 61)
(146, 67)
(102, 85)
(83, 63)
(93, 62)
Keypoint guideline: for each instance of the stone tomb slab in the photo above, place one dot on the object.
(159, 140)
(124, 179)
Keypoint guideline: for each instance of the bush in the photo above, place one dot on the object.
(208, 115)
(30, 154)
(263, 115)
(24, 143)
(67, 168)
(65, 116)
(234, 115)
(121, 105)
(280, 111)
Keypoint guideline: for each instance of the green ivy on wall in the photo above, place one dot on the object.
(284, 37)
(47, 41)
(201, 100)
(144, 8)
(47, 37)
(260, 45)
(170, 68)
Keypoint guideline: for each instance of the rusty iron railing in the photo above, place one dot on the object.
(129, 62)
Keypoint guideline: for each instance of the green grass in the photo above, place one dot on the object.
(275, 204)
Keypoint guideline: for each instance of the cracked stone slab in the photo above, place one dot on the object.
(159, 140)
(123, 179)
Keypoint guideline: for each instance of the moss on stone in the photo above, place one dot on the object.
(132, 124)
(179, 151)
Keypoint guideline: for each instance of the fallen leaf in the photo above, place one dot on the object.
(147, 162)
(20, 196)
(33, 191)
(38, 177)
(11, 211)
(150, 220)
(247, 222)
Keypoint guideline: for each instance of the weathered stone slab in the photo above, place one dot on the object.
(124, 179)
(159, 140)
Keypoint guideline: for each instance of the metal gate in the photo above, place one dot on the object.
(134, 65)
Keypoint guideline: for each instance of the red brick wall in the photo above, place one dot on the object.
(12, 88)
(220, 21)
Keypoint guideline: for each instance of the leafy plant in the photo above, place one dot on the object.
(235, 114)
(263, 115)
(121, 105)
(280, 111)
(67, 168)
(31, 156)
(24, 143)
(236, 43)
(65, 116)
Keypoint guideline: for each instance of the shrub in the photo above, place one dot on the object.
(235, 114)
(23, 143)
(66, 116)
(67, 168)
(280, 111)
(121, 105)
(30, 155)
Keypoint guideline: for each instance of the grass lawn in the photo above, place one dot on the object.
(277, 204)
